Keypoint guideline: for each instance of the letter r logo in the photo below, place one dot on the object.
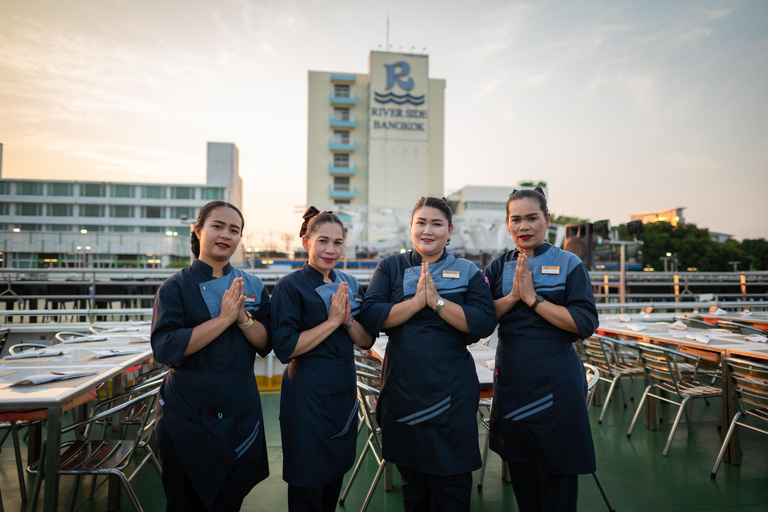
(396, 72)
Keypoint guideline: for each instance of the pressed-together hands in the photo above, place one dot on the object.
(426, 293)
(233, 303)
(341, 311)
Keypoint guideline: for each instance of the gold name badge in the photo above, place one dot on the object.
(550, 270)
(451, 274)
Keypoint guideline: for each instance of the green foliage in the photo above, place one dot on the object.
(533, 183)
(565, 219)
(693, 247)
(178, 264)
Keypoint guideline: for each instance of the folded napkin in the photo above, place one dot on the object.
(140, 322)
(110, 352)
(85, 339)
(746, 313)
(121, 329)
(719, 312)
(636, 327)
(44, 352)
(491, 364)
(677, 325)
(138, 339)
(2, 368)
(752, 337)
(624, 318)
(53, 376)
(701, 338)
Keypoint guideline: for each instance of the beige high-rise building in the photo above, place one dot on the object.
(375, 140)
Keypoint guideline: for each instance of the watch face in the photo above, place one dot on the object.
(440, 302)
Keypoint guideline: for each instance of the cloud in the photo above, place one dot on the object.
(534, 80)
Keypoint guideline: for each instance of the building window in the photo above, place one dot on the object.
(31, 227)
(183, 211)
(341, 183)
(342, 201)
(91, 189)
(29, 209)
(5, 208)
(152, 229)
(92, 228)
(60, 189)
(153, 212)
(121, 229)
(485, 205)
(121, 211)
(122, 191)
(341, 114)
(60, 210)
(182, 193)
(59, 227)
(341, 137)
(152, 192)
(5, 187)
(341, 90)
(213, 194)
(91, 210)
(341, 160)
(26, 188)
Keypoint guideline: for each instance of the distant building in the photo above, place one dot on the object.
(672, 215)
(375, 141)
(719, 237)
(71, 224)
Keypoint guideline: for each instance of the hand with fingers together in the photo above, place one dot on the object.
(339, 306)
(233, 303)
(524, 280)
(421, 290)
(431, 291)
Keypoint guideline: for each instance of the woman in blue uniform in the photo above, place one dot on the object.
(314, 325)
(544, 303)
(431, 305)
(209, 322)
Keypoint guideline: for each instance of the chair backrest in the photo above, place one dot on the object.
(748, 329)
(750, 382)
(695, 322)
(68, 335)
(658, 366)
(4, 332)
(21, 347)
(595, 351)
(593, 376)
(367, 397)
(728, 325)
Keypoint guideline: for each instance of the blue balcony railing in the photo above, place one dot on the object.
(340, 122)
(344, 192)
(341, 145)
(343, 99)
(348, 171)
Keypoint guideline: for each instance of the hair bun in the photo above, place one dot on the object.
(539, 190)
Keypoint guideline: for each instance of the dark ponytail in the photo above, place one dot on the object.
(314, 218)
(204, 213)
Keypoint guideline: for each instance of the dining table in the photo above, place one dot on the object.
(55, 376)
(712, 345)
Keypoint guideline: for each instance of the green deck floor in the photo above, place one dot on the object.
(635, 474)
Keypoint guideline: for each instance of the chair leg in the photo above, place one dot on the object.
(355, 471)
(725, 445)
(634, 383)
(73, 500)
(637, 412)
(19, 464)
(129, 490)
(675, 424)
(38, 482)
(373, 486)
(602, 491)
(608, 399)
(485, 462)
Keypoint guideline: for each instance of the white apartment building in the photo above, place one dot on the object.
(76, 224)
(375, 141)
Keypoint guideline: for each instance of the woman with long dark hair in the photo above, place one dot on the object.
(315, 328)
(544, 302)
(432, 305)
(209, 322)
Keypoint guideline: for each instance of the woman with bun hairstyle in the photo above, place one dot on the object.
(314, 321)
(209, 322)
(544, 302)
(432, 305)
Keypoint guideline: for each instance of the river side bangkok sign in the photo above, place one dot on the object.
(399, 107)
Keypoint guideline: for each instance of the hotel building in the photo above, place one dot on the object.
(75, 224)
(375, 140)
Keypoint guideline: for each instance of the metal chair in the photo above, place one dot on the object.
(20, 347)
(101, 456)
(367, 398)
(750, 384)
(593, 377)
(739, 328)
(601, 353)
(663, 374)
(62, 336)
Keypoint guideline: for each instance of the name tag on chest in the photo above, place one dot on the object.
(550, 270)
(250, 299)
(451, 274)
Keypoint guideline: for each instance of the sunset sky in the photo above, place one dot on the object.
(620, 106)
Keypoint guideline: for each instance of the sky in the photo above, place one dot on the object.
(620, 106)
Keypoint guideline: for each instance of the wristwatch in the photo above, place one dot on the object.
(539, 300)
(247, 323)
(439, 304)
